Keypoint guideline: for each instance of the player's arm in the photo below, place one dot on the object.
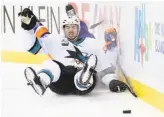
(30, 23)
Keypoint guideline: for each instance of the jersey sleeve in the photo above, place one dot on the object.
(49, 43)
(40, 30)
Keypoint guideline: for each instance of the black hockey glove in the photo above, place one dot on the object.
(28, 19)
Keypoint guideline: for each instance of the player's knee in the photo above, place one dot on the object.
(53, 67)
(117, 86)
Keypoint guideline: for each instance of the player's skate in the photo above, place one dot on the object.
(88, 69)
(34, 81)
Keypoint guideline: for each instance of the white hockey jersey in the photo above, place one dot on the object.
(52, 44)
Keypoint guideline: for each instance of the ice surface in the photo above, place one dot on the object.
(19, 100)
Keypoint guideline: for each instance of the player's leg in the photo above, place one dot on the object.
(85, 80)
(112, 80)
(88, 69)
(41, 80)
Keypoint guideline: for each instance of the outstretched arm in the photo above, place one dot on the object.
(30, 23)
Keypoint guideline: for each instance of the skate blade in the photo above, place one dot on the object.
(30, 82)
(92, 71)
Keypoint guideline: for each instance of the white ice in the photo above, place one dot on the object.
(19, 100)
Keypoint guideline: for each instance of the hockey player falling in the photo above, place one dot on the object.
(106, 73)
(60, 75)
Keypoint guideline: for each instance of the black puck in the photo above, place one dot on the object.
(126, 111)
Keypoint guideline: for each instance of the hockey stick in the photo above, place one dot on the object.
(97, 24)
(130, 88)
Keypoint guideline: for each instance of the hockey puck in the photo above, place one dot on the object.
(126, 111)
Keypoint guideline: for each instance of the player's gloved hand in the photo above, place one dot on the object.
(70, 10)
(28, 19)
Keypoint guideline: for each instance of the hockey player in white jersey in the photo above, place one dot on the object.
(75, 38)
(82, 34)
(106, 58)
(60, 78)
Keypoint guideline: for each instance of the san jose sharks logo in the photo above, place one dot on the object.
(77, 54)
